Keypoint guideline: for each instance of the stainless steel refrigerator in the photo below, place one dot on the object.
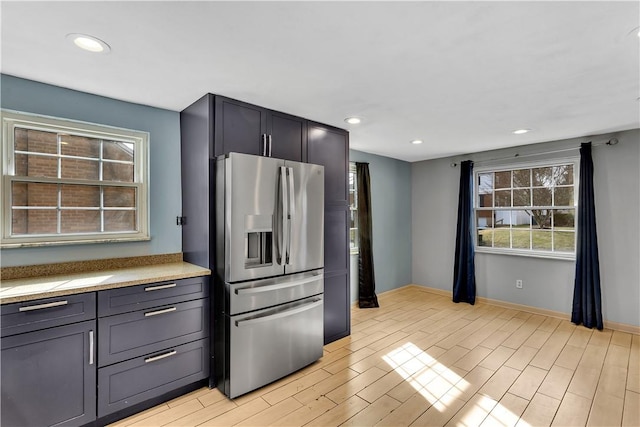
(269, 269)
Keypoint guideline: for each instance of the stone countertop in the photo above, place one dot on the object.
(27, 289)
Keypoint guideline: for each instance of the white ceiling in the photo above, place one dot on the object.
(459, 75)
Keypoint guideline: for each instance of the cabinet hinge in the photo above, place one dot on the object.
(181, 220)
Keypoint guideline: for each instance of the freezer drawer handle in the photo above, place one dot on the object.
(42, 306)
(160, 356)
(160, 287)
(249, 291)
(163, 311)
(287, 313)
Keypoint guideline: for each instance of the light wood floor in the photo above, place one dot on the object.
(422, 360)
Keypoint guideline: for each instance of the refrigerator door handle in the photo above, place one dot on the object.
(291, 213)
(286, 313)
(283, 207)
(267, 288)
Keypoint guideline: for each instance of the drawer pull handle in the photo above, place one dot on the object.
(164, 310)
(41, 306)
(160, 287)
(160, 356)
(90, 347)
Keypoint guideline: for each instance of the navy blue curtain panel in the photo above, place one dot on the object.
(464, 272)
(366, 278)
(587, 304)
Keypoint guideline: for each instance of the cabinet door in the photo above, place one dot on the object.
(337, 307)
(49, 377)
(330, 147)
(239, 127)
(288, 136)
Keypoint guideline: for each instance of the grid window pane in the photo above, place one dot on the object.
(32, 165)
(563, 196)
(119, 221)
(501, 238)
(79, 221)
(79, 146)
(541, 218)
(564, 241)
(541, 240)
(563, 175)
(118, 172)
(521, 239)
(80, 196)
(80, 169)
(503, 198)
(119, 197)
(115, 150)
(522, 178)
(485, 183)
(564, 219)
(541, 197)
(38, 221)
(522, 197)
(485, 237)
(503, 179)
(35, 141)
(543, 177)
(34, 194)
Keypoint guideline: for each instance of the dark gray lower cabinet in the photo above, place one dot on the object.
(49, 377)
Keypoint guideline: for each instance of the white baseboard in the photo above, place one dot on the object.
(616, 326)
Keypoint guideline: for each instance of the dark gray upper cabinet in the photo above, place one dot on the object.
(329, 146)
(287, 137)
(239, 127)
(228, 125)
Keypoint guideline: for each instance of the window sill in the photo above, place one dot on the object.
(530, 254)
(13, 245)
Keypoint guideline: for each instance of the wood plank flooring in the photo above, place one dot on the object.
(421, 360)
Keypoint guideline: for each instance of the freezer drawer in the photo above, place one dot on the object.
(259, 294)
(269, 344)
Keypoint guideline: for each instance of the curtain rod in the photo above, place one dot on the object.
(612, 141)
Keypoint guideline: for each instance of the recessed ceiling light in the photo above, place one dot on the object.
(521, 131)
(352, 120)
(417, 141)
(90, 43)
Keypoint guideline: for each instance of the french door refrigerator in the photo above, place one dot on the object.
(269, 269)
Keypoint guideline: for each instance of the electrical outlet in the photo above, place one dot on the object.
(519, 284)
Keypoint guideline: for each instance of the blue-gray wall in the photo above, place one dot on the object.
(164, 163)
(548, 283)
(391, 216)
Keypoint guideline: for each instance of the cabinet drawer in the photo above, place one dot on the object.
(123, 300)
(134, 381)
(46, 313)
(129, 335)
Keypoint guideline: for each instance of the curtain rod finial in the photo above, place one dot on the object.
(612, 141)
(453, 164)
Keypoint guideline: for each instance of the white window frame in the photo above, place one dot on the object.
(353, 208)
(139, 139)
(573, 160)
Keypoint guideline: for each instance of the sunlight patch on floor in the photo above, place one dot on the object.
(441, 386)
(429, 377)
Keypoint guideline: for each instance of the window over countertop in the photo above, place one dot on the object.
(527, 208)
(67, 182)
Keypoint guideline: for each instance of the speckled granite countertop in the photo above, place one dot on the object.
(27, 289)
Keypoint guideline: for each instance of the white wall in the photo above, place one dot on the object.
(548, 283)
